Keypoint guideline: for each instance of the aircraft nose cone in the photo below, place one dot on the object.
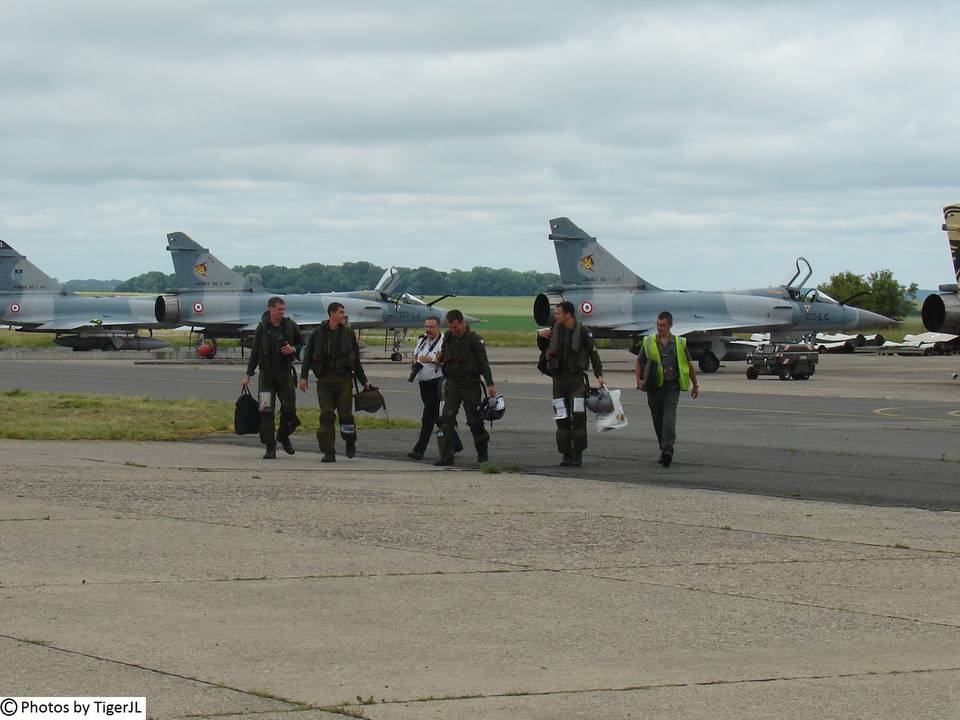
(469, 319)
(869, 319)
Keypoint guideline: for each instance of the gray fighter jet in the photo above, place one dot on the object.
(941, 311)
(33, 302)
(216, 301)
(616, 303)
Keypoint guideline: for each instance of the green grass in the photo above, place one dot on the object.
(484, 307)
(32, 415)
(15, 339)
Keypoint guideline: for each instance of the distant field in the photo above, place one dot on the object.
(507, 320)
(481, 306)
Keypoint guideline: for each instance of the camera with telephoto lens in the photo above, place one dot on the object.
(414, 371)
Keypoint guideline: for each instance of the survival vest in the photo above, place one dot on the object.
(326, 354)
(271, 340)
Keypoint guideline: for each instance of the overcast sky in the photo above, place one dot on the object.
(732, 137)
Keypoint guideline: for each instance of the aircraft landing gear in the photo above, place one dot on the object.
(398, 338)
(709, 363)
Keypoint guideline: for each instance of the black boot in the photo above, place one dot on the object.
(576, 460)
(415, 454)
(351, 447)
(567, 460)
(286, 444)
(666, 459)
(271, 453)
(444, 461)
(330, 456)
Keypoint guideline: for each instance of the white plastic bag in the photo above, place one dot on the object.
(616, 418)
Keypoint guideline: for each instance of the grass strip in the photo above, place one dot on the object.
(34, 415)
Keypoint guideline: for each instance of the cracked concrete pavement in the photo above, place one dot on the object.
(216, 584)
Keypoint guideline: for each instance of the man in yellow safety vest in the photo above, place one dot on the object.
(666, 357)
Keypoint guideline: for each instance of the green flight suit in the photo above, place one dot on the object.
(334, 357)
(277, 376)
(568, 362)
(464, 363)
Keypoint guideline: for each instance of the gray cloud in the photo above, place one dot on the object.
(446, 134)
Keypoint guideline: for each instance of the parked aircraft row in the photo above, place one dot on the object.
(210, 297)
(610, 297)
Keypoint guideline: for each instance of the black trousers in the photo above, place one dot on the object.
(430, 395)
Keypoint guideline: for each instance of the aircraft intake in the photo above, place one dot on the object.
(941, 313)
(543, 307)
(167, 309)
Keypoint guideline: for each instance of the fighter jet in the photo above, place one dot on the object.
(33, 302)
(941, 311)
(617, 303)
(217, 301)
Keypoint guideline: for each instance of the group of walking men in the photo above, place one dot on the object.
(332, 353)
(453, 366)
(451, 370)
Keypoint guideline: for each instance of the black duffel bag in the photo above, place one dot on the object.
(246, 417)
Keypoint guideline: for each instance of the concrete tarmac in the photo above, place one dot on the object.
(865, 429)
(216, 584)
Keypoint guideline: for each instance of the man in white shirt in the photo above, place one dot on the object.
(426, 372)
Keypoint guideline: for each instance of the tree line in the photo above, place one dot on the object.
(317, 277)
(879, 291)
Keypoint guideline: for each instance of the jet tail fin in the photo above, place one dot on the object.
(584, 261)
(196, 268)
(951, 224)
(19, 275)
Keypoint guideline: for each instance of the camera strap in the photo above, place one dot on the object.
(423, 345)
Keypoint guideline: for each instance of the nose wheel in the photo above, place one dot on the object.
(396, 356)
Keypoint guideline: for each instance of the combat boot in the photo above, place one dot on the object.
(445, 461)
(576, 460)
(286, 444)
(329, 457)
(351, 447)
(482, 455)
(271, 453)
(567, 460)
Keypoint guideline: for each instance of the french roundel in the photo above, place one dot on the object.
(586, 307)
(14, 307)
(198, 307)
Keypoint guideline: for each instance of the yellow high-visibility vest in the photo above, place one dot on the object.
(652, 351)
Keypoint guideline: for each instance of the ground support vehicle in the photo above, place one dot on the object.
(797, 362)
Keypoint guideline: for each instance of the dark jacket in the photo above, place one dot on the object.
(267, 341)
(465, 358)
(562, 358)
(336, 350)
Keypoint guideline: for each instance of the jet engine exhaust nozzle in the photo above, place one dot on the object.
(941, 313)
(167, 309)
(543, 307)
